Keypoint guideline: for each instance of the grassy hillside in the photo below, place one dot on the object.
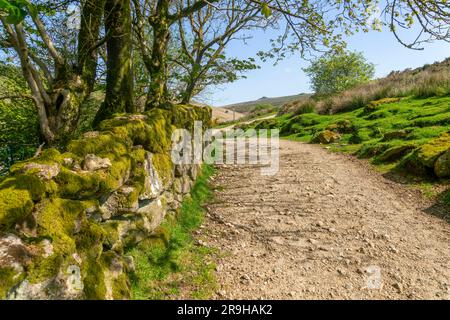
(408, 136)
(427, 81)
(249, 106)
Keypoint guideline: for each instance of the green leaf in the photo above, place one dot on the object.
(265, 10)
(17, 10)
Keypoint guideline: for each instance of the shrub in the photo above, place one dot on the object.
(309, 106)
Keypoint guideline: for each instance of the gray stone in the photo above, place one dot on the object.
(152, 184)
(91, 134)
(181, 170)
(442, 165)
(118, 202)
(66, 285)
(182, 185)
(13, 252)
(155, 211)
(44, 171)
(193, 171)
(93, 163)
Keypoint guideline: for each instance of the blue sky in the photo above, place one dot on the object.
(287, 78)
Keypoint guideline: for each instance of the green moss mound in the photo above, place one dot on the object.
(430, 151)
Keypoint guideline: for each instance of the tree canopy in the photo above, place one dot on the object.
(334, 73)
(174, 49)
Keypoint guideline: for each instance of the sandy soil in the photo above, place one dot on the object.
(325, 227)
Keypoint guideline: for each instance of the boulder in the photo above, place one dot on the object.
(398, 134)
(342, 126)
(442, 165)
(430, 152)
(395, 153)
(326, 137)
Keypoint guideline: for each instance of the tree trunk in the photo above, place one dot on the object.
(160, 22)
(58, 96)
(119, 77)
(91, 19)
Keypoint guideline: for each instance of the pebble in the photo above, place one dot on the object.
(393, 249)
(398, 287)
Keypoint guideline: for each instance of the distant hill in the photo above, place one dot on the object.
(248, 106)
(221, 115)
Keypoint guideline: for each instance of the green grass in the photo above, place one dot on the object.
(447, 197)
(170, 265)
(422, 119)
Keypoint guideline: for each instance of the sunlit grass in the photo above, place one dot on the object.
(170, 264)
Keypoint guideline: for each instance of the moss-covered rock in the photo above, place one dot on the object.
(15, 205)
(372, 149)
(442, 165)
(326, 137)
(7, 280)
(430, 152)
(398, 134)
(342, 126)
(373, 105)
(395, 153)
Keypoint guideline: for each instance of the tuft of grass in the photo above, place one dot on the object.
(427, 189)
(169, 264)
(447, 198)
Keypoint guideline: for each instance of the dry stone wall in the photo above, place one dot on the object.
(66, 217)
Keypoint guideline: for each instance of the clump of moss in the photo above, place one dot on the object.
(37, 187)
(56, 219)
(81, 185)
(15, 205)
(102, 145)
(8, 278)
(164, 166)
(153, 131)
(121, 287)
(326, 137)
(372, 149)
(394, 153)
(93, 278)
(429, 152)
(342, 126)
(41, 269)
(78, 185)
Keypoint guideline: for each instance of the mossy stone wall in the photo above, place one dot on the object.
(66, 217)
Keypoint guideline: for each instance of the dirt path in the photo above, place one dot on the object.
(325, 227)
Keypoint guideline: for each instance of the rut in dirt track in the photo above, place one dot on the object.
(324, 227)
